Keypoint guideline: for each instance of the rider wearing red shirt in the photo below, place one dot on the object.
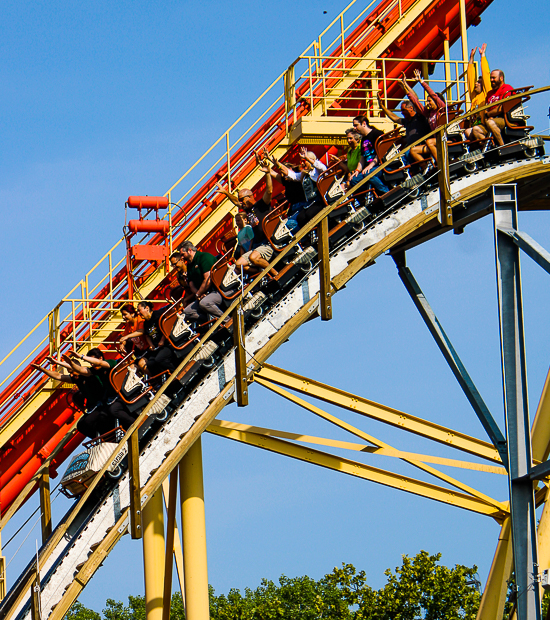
(493, 118)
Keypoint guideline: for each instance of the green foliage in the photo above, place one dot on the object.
(420, 589)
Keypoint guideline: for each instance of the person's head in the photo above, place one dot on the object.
(478, 88)
(407, 109)
(497, 78)
(128, 312)
(305, 163)
(430, 103)
(241, 220)
(246, 198)
(145, 309)
(362, 125)
(177, 261)
(98, 354)
(187, 250)
(353, 137)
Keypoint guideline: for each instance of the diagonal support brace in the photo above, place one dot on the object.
(452, 358)
(529, 246)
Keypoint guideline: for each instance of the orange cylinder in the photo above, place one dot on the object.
(149, 226)
(148, 202)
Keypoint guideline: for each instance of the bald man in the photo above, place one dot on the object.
(493, 118)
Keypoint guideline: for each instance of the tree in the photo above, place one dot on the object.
(420, 589)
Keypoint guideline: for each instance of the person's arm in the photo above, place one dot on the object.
(391, 115)
(440, 103)
(221, 190)
(134, 334)
(266, 169)
(81, 370)
(205, 285)
(93, 360)
(149, 342)
(485, 71)
(471, 74)
(53, 374)
(61, 363)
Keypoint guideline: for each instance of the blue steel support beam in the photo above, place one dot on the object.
(452, 358)
(514, 379)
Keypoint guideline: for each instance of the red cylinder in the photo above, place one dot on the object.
(148, 202)
(149, 226)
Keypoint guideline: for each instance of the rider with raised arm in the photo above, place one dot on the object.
(478, 88)
(415, 124)
(260, 252)
(434, 103)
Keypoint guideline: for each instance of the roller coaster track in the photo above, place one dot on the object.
(72, 559)
(91, 529)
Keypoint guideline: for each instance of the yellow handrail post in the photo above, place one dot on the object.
(194, 534)
(241, 382)
(45, 505)
(135, 486)
(325, 293)
(228, 151)
(290, 95)
(445, 210)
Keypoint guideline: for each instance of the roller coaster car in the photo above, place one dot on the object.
(130, 387)
(183, 336)
(350, 214)
(516, 131)
(85, 466)
(402, 179)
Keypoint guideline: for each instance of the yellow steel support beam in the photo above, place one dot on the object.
(194, 534)
(445, 210)
(359, 433)
(176, 548)
(135, 486)
(325, 292)
(379, 412)
(367, 472)
(494, 594)
(359, 447)
(45, 505)
(170, 537)
(241, 381)
(153, 556)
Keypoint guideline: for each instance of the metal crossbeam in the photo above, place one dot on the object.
(379, 412)
(358, 447)
(377, 442)
(367, 472)
(451, 356)
(514, 379)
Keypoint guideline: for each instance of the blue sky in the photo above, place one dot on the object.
(102, 100)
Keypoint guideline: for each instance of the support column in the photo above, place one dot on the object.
(494, 595)
(514, 379)
(194, 534)
(153, 556)
(445, 210)
(464, 41)
(447, 58)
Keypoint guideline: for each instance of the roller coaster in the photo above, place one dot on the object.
(118, 483)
